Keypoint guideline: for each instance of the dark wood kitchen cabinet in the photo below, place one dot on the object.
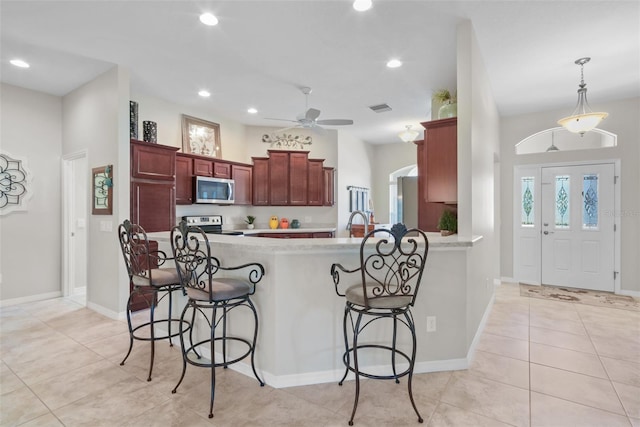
(184, 180)
(260, 181)
(437, 171)
(153, 186)
(290, 178)
(222, 170)
(298, 178)
(329, 185)
(315, 184)
(278, 178)
(202, 167)
(242, 175)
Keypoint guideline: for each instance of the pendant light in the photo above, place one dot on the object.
(408, 135)
(552, 147)
(583, 119)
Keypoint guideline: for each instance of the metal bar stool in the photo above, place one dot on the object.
(213, 299)
(391, 266)
(151, 284)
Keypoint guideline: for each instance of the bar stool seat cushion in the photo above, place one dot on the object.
(159, 277)
(223, 289)
(355, 295)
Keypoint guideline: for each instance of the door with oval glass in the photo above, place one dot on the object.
(578, 226)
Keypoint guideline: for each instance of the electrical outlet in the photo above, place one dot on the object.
(431, 323)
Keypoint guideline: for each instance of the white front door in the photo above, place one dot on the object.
(577, 204)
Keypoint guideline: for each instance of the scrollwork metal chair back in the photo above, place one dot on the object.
(139, 260)
(394, 270)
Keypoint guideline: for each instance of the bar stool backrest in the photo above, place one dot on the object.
(136, 253)
(394, 269)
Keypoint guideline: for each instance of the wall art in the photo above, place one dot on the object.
(287, 141)
(15, 184)
(102, 194)
(200, 137)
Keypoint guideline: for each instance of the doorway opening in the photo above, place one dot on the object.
(75, 194)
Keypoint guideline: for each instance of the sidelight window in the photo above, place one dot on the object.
(528, 201)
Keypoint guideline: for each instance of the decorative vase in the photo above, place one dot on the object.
(133, 119)
(273, 222)
(295, 223)
(250, 226)
(150, 131)
(448, 110)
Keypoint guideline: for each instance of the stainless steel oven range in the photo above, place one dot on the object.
(210, 224)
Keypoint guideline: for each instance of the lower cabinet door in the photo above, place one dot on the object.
(153, 205)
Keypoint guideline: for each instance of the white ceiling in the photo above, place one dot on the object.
(262, 52)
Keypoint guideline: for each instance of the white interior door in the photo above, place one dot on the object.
(75, 209)
(577, 204)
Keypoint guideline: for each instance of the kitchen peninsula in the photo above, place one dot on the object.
(300, 340)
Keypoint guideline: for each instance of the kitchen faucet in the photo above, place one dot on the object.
(364, 218)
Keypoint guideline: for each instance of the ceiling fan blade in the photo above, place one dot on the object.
(282, 120)
(312, 114)
(335, 122)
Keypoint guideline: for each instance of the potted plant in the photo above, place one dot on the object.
(250, 220)
(448, 223)
(449, 107)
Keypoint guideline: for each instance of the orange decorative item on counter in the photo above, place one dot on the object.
(284, 223)
(273, 222)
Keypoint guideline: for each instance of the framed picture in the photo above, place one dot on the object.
(102, 190)
(200, 137)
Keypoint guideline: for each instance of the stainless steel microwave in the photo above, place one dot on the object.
(213, 190)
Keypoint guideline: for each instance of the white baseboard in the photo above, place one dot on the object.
(635, 294)
(106, 311)
(335, 375)
(476, 338)
(30, 298)
(508, 279)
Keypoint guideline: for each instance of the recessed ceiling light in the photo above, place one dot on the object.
(394, 63)
(252, 111)
(208, 19)
(204, 93)
(362, 5)
(19, 63)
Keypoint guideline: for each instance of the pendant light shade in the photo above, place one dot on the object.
(583, 119)
(408, 135)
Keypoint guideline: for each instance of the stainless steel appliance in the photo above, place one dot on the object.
(213, 190)
(408, 201)
(210, 224)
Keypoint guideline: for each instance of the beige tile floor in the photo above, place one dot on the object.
(538, 363)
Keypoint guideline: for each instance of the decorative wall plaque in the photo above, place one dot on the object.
(287, 141)
(15, 184)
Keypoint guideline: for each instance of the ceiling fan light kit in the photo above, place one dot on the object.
(583, 119)
(309, 120)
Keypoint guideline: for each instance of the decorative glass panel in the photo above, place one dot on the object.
(528, 207)
(590, 201)
(562, 201)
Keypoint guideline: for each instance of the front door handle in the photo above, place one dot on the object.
(547, 232)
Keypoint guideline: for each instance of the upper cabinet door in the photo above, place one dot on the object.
(260, 181)
(329, 184)
(153, 161)
(242, 177)
(184, 180)
(298, 178)
(222, 170)
(202, 167)
(279, 178)
(441, 163)
(315, 183)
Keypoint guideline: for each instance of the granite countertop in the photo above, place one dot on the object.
(436, 241)
(288, 230)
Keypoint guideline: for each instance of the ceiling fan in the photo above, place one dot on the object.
(309, 119)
